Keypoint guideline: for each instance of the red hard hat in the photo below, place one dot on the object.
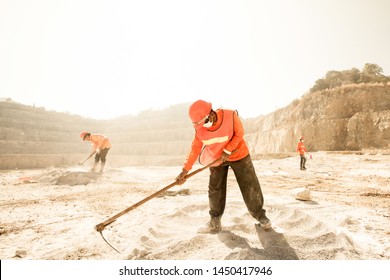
(199, 109)
(82, 134)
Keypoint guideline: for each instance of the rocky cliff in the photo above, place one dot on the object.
(350, 117)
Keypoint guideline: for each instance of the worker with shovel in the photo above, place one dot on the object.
(100, 147)
(220, 134)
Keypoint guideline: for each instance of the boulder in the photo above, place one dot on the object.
(302, 194)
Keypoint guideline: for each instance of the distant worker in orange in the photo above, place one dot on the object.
(301, 149)
(100, 147)
(220, 135)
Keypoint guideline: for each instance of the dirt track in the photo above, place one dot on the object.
(348, 216)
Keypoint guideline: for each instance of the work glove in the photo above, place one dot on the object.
(180, 179)
(224, 157)
(98, 151)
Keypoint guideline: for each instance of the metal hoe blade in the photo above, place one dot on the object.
(100, 227)
(101, 233)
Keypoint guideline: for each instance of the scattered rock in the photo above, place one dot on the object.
(174, 193)
(26, 180)
(302, 194)
(20, 253)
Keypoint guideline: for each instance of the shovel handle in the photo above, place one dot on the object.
(81, 163)
(100, 227)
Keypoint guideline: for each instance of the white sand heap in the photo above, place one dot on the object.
(77, 178)
(66, 177)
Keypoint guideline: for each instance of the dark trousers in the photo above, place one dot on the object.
(303, 162)
(248, 182)
(102, 155)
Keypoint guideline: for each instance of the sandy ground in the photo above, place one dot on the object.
(50, 214)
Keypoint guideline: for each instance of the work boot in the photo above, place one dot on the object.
(212, 226)
(102, 167)
(94, 167)
(264, 222)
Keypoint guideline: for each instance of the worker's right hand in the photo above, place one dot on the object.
(181, 178)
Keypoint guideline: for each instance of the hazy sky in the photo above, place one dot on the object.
(106, 58)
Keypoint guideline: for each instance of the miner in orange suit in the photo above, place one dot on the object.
(301, 149)
(100, 147)
(219, 134)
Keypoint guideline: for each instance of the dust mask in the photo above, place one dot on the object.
(208, 124)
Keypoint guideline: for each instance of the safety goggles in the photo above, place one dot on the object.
(206, 119)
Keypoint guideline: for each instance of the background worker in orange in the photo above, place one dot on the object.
(220, 135)
(301, 149)
(100, 147)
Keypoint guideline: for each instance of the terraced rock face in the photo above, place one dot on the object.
(36, 138)
(351, 117)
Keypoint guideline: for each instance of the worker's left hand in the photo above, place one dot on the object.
(224, 157)
(98, 151)
(181, 178)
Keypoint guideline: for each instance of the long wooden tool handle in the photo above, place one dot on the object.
(100, 227)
